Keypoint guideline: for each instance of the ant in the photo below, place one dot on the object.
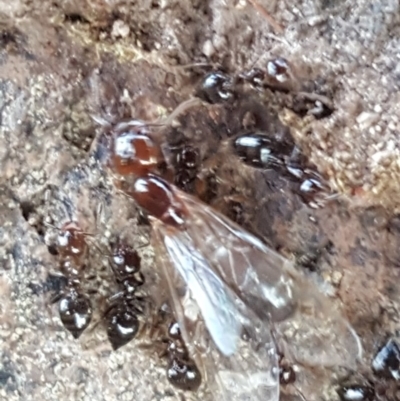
(121, 315)
(218, 87)
(186, 162)
(278, 76)
(261, 151)
(182, 372)
(74, 306)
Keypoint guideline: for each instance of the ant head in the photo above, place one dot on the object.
(132, 151)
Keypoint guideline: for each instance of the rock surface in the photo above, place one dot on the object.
(65, 63)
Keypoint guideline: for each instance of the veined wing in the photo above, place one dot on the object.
(231, 343)
(315, 331)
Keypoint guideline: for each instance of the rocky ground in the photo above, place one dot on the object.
(65, 64)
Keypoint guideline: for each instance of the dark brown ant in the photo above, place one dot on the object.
(287, 375)
(288, 378)
(277, 75)
(310, 185)
(262, 151)
(182, 372)
(120, 317)
(186, 163)
(259, 150)
(74, 306)
(216, 87)
(313, 104)
(386, 362)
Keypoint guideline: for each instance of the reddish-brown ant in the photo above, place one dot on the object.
(74, 306)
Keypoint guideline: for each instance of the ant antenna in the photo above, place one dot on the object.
(262, 10)
(194, 65)
(85, 233)
(182, 107)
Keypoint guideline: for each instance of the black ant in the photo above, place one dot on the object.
(182, 372)
(121, 315)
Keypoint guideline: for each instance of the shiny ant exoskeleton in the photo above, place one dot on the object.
(216, 87)
(126, 143)
(386, 362)
(287, 374)
(260, 150)
(182, 372)
(74, 306)
(356, 392)
(278, 75)
(121, 316)
(186, 163)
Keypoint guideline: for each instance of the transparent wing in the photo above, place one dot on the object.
(216, 307)
(232, 345)
(315, 333)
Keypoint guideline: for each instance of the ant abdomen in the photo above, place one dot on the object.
(75, 311)
(122, 325)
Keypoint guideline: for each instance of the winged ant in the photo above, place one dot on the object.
(227, 288)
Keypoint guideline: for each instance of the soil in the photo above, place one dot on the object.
(66, 65)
